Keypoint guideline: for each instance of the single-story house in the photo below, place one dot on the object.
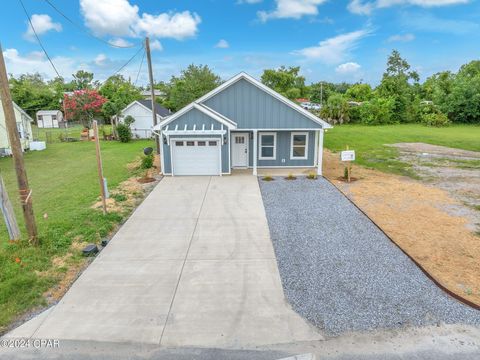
(24, 127)
(240, 124)
(141, 111)
(50, 119)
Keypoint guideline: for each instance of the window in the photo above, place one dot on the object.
(201, 143)
(268, 146)
(299, 146)
(40, 117)
(212, 143)
(54, 117)
(178, 143)
(190, 143)
(240, 139)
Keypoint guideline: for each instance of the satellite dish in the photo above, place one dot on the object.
(147, 151)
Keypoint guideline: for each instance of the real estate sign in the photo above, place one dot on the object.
(348, 155)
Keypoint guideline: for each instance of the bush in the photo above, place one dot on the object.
(435, 119)
(147, 161)
(377, 111)
(124, 133)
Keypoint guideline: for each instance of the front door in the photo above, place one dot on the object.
(239, 149)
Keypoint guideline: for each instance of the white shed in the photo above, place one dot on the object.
(141, 111)
(50, 119)
(24, 130)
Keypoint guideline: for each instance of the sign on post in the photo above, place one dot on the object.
(348, 155)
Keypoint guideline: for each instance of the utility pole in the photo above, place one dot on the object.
(16, 146)
(101, 179)
(152, 91)
(321, 93)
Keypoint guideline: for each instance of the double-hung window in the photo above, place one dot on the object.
(299, 146)
(267, 146)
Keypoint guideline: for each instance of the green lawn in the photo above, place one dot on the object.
(53, 135)
(368, 141)
(65, 185)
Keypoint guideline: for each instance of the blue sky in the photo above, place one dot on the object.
(331, 40)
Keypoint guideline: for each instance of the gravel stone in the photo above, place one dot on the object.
(340, 272)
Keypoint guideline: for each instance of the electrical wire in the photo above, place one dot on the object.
(86, 32)
(140, 68)
(129, 61)
(38, 38)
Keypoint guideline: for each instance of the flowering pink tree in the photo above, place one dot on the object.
(83, 105)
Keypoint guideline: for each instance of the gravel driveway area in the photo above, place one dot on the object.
(340, 271)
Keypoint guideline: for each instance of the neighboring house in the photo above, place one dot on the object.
(24, 130)
(50, 119)
(147, 94)
(141, 111)
(240, 124)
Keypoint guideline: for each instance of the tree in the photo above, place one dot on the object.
(31, 93)
(193, 83)
(336, 110)
(119, 93)
(321, 91)
(285, 81)
(359, 92)
(83, 105)
(396, 84)
(83, 80)
(377, 111)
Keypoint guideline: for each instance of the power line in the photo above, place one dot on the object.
(139, 69)
(129, 61)
(38, 38)
(86, 32)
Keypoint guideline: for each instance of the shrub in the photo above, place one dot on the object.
(436, 119)
(129, 120)
(312, 176)
(147, 161)
(268, 178)
(124, 133)
(290, 177)
(377, 111)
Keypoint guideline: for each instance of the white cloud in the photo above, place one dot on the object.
(222, 44)
(120, 18)
(291, 9)
(335, 49)
(348, 68)
(173, 25)
(156, 45)
(42, 24)
(37, 62)
(120, 42)
(100, 59)
(362, 7)
(401, 38)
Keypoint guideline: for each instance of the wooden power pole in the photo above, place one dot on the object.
(16, 146)
(101, 179)
(152, 90)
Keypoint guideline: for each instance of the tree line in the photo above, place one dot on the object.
(443, 98)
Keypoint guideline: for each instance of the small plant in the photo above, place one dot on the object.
(119, 197)
(312, 176)
(345, 173)
(268, 178)
(290, 177)
(147, 162)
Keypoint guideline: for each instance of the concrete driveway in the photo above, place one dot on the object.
(193, 266)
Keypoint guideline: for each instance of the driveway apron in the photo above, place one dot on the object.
(193, 266)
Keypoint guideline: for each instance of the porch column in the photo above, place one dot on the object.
(255, 147)
(320, 152)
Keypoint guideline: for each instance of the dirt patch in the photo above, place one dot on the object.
(418, 218)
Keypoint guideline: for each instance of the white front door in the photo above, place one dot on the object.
(239, 149)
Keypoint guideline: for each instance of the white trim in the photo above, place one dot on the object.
(260, 157)
(247, 137)
(204, 109)
(255, 151)
(285, 167)
(280, 129)
(292, 134)
(194, 132)
(315, 146)
(229, 143)
(265, 88)
(320, 153)
(143, 106)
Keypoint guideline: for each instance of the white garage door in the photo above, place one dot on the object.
(199, 157)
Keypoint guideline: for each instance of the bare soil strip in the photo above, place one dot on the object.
(418, 217)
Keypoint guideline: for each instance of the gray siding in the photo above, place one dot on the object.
(252, 108)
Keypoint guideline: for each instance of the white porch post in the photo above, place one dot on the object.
(320, 152)
(255, 147)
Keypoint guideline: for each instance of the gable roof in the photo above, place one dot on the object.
(159, 109)
(21, 111)
(269, 91)
(204, 109)
(47, 112)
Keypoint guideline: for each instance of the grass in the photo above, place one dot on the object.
(65, 185)
(369, 142)
(71, 132)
